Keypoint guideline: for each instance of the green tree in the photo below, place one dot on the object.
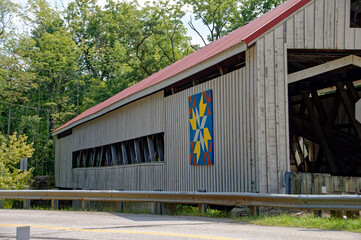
(11, 151)
(221, 17)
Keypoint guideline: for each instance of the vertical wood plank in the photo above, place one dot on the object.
(340, 24)
(271, 141)
(319, 23)
(281, 108)
(329, 24)
(349, 32)
(262, 132)
(290, 33)
(310, 26)
(300, 30)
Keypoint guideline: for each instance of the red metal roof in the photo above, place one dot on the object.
(246, 34)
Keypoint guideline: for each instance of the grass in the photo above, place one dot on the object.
(286, 220)
(187, 210)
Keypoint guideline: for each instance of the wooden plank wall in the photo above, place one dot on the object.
(141, 118)
(234, 168)
(63, 163)
(272, 108)
(145, 177)
(312, 183)
(323, 24)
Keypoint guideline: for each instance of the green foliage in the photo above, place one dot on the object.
(285, 220)
(187, 210)
(221, 17)
(11, 151)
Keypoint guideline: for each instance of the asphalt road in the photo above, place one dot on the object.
(101, 225)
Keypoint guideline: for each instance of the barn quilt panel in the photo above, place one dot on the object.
(201, 128)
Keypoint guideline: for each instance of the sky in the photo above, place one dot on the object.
(195, 38)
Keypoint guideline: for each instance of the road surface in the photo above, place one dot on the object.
(102, 225)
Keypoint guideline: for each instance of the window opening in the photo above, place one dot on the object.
(141, 150)
(355, 14)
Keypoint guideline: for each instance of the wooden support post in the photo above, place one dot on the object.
(85, 159)
(124, 154)
(301, 111)
(114, 154)
(93, 156)
(160, 148)
(132, 152)
(119, 154)
(83, 204)
(318, 130)
(352, 91)
(297, 156)
(100, 156)
(151, 149)
(334, 110)
(350, 108)
(145, 147)
(320, 109)
(138, 155)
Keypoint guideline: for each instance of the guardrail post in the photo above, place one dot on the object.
(202, 207)
(253, 211)
(83, 204)
(55, 204)
(1, 204)
(156, 207)
(26, 204)
(120, 204)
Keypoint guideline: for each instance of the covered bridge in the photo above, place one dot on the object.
(275, 95)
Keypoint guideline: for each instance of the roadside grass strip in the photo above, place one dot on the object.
(340, 224)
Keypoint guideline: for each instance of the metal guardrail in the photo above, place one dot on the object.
(315, 202)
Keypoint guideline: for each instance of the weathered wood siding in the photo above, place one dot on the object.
(140, 118)
(272, 111)
(137, 177)
(321, 24)
(234, 168)
(63, 162)
(137, 119)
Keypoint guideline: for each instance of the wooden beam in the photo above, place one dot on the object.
(100, 155)
(114, 154)
(124, 153)
(120, 153)
(319, 106)
(296, 156)
(326, 67)
(92, 157)
(352, 91)
(151, 149)
(160, 148)
(318, 131)
(138, 155)
(350, 108)
(131, 151)
(334, 110)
